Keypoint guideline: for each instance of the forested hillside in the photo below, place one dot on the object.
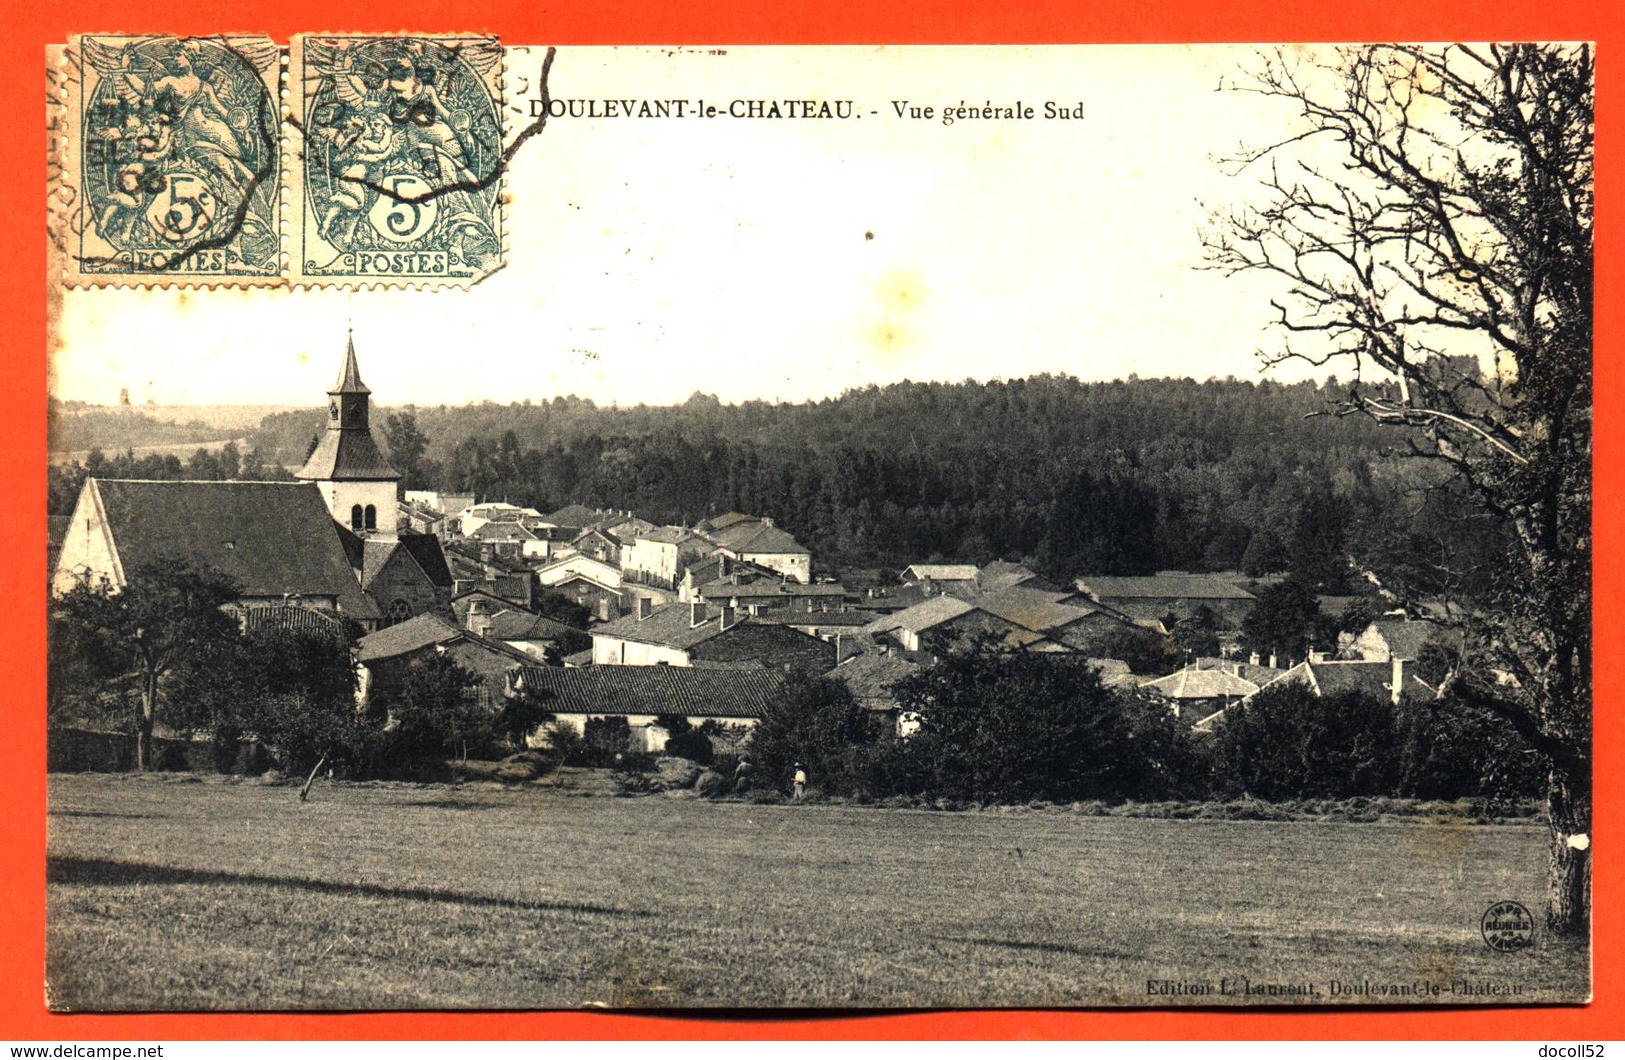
(1109, 477)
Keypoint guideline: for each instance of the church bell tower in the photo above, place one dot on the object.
(347, 465)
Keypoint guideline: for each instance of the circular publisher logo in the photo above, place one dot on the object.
(1507, 927)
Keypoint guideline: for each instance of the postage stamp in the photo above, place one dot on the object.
(170, 161)
(395, 161)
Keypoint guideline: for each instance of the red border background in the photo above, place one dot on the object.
(29, 27)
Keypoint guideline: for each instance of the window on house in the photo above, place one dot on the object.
(355, 517)
(372, 517)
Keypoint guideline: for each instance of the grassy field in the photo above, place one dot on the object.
(216, 895)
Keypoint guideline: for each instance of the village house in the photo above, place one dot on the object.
(563, 569)
(755, 589)
(757, 540)
(470, 519)
(947, 624)
(599, 545)
(1394, 681)
(416, 517)
(1150, 598)
(536, 635)
(386, 656)
(576, 518)
(513, 539)
(941, 577)
(695, 635)
(449, 505)
(658, 557)
(1194, 695)
(1002, 574)
(1080, 626)
(643, 695)
(481, 567)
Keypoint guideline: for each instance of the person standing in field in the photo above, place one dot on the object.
(800, 782)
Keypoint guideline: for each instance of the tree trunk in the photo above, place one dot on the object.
(143, 722)
(1568, 908)
(304, 792)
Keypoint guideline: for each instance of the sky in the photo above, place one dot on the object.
(783, 260)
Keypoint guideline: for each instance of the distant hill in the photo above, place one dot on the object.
(76, 428)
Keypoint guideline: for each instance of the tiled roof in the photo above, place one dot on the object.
(894, 599)
(942, 572)
(412, 635)
(1167, 585)
(272, 538)
(575, 515)
(774, 590)
(669, 535)
(758, 539)
(498, 530)
(1002, 574)
(1033, 609)
(347, 454)
(1336, 676)
(1201, 684)
(424, 631)
(671, 626)
(710, 569)
(522, 625)
(349, 381)
(727, 519)
(656, 690)
(786, 617)
(870, 676)
(1406, 638)
(922, 616)
(291, 616)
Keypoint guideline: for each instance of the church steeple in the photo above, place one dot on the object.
(356, 479)
(349, 400)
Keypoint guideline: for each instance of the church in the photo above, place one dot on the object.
(328, 541)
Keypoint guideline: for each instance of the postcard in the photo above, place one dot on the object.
(805, 527)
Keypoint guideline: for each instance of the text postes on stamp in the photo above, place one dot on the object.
(397, 175)
(171, 161)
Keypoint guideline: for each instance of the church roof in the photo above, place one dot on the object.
(347, 454)
(350, 375)
(272, 538)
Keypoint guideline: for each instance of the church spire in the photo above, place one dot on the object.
(347, 450)
(350, 375)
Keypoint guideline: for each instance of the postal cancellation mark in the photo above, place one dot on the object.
(172, 158)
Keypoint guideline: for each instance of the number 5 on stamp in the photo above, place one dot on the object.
(396, 166)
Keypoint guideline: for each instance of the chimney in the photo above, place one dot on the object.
(603, 609)
(1396, 679)
(696, 614)
(645, 607)
(1272, 661)
(1252, 660)
(766, 521)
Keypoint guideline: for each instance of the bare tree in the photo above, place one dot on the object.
(1429, 217)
